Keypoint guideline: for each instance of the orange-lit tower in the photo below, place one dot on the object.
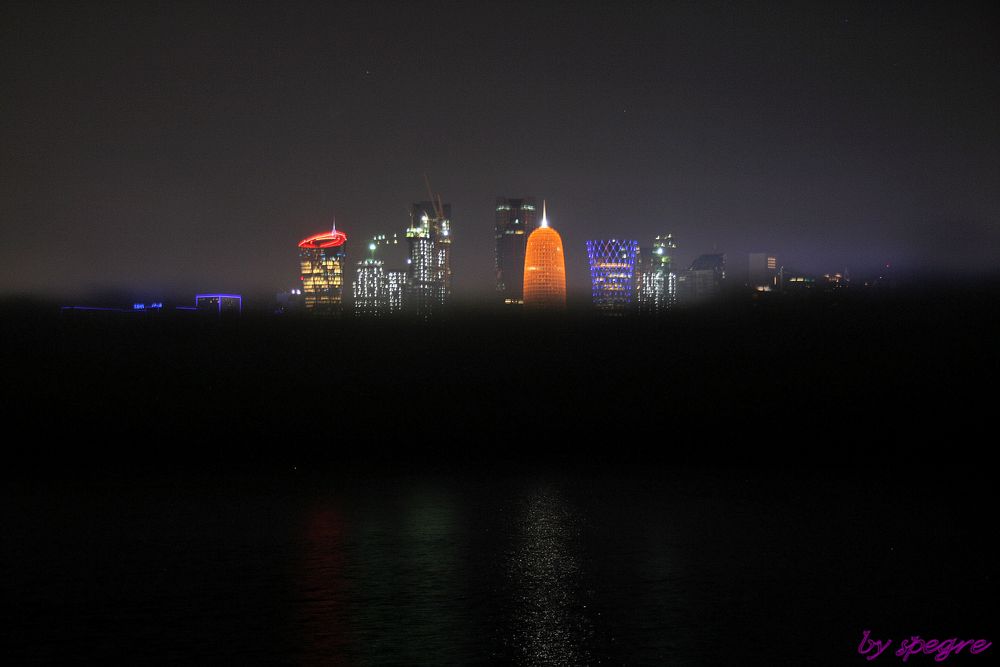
(544, 268)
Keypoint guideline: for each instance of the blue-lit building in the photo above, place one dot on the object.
(221, 304)
(138, 308)
(612, 274)
(134, 309)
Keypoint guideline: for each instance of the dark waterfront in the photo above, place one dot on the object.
(682, 567)
(751, 485)
(835, 380)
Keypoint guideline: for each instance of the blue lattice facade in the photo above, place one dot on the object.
(612, 273)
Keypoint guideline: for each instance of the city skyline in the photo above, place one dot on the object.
(465, 291)
(299, 369)
(840, 136)
(386, 283)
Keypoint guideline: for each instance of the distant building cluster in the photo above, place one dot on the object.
(385, 283)
(408, 272)
(626, 278)
(530, 265)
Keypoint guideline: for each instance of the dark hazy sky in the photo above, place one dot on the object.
(191, 145)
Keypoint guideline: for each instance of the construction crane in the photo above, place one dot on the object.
(435, 200)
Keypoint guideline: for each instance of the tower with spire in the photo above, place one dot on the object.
(321, 263)
(544, 268)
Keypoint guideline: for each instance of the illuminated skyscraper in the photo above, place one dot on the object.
(544, 268)
(612, 274)
(656, 284)
(429, 237)
(321, 259)
(395, 287)
(370, 293)
(395, 257)
(515, 221)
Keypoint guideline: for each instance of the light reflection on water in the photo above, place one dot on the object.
(431, 570)
(424, 575)
(398, 596)
(550, 625)
(319, 594)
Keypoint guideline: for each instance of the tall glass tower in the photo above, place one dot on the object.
(321, 262)
(429, 238)
(371, 296)
(515, 221)
(396, 260)
(544, 268)
(612, 274)
(655, 282)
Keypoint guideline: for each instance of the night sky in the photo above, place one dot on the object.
(190, 146)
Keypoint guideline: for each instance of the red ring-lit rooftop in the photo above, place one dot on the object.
(330, 239)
